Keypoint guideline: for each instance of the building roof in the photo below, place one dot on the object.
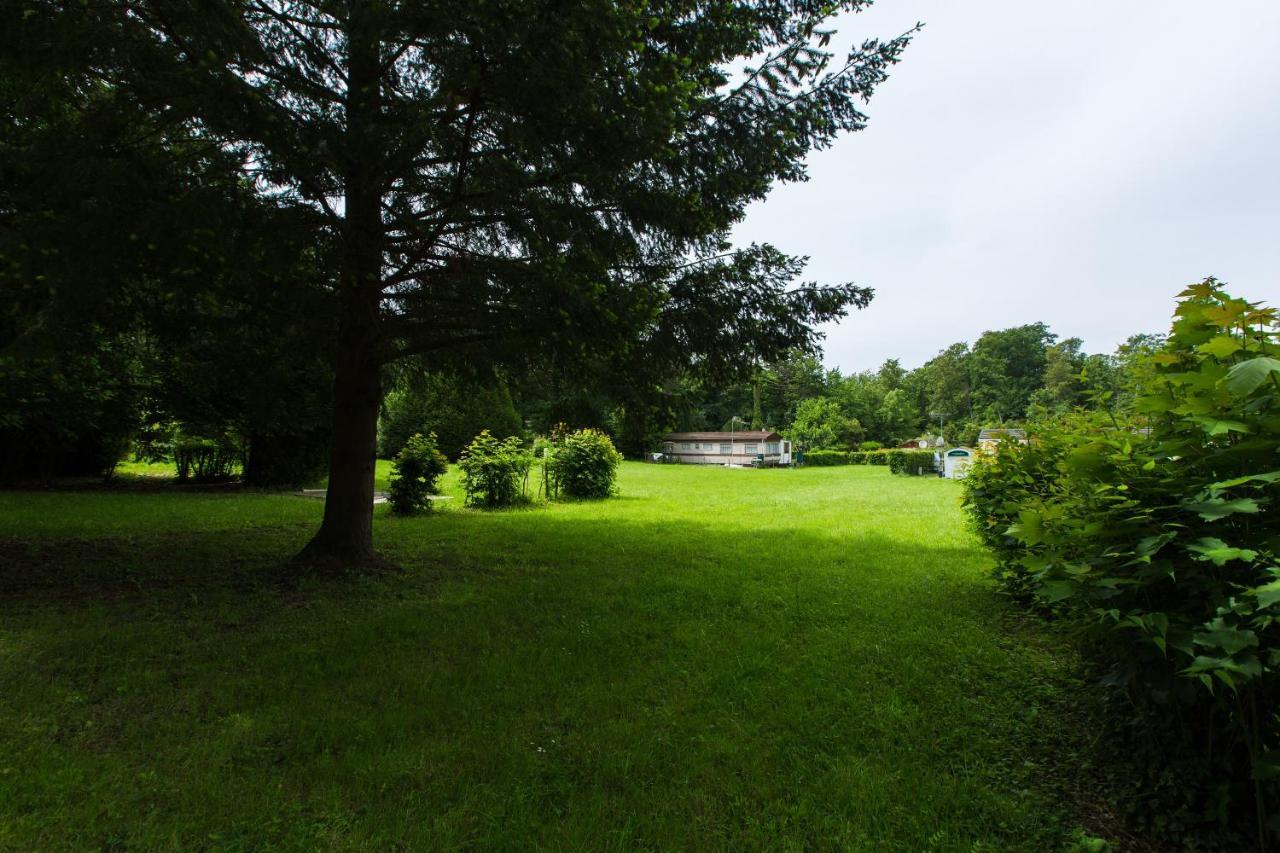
(737, 435)
(993, 434)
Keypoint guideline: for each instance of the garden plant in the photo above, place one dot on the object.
(495, 472)
(415, 475)
(1155, 532)
(581, 464)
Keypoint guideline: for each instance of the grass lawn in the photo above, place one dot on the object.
(716, 659)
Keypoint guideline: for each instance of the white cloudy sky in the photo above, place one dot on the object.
(1075, 163)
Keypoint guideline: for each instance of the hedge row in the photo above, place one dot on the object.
(912, 462)
(823, 458)
(850, 457)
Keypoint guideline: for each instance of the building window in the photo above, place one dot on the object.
(726, 448)
(684, 445)
(771, 448)
(753, 448)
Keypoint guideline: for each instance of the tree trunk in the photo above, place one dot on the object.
(345, 537)
(346, 534)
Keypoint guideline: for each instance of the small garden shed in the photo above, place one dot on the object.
(956, 462)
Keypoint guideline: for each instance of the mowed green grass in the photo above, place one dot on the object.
(715, 659)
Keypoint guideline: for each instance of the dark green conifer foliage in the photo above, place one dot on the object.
(511, 177)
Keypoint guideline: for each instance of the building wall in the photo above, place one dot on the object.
(708, 453)
(725, 459)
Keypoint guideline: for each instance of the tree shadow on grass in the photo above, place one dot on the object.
(757, 648)
(91, 570)
(186, 566)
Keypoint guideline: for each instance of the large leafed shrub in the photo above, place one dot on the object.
(495, 472)
(1157, 534)
(415, 474)
(582, 464)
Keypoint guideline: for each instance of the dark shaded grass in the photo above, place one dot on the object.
(721, 659)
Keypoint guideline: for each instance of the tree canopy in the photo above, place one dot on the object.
(505, 180)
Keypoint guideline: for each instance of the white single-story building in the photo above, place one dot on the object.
(727, 448)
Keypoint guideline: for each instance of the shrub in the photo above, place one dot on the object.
(911, 462)
(71, 413)
(878, 457)
(495, 473)
(822, 458)
(207, 460)
(857, 457)
(583, 464)
(1158, 538)
(417, 469)
(286, 459)
(996, 489)
(452, 407)
(869, 445)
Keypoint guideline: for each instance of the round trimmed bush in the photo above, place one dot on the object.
(584, 464)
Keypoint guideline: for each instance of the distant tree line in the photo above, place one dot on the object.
(1004, 378)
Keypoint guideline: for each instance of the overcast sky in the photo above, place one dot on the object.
(1075, 163)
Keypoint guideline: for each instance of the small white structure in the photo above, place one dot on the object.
(727, 448)
(956, 462)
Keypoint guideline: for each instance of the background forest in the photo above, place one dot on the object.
(81, 410)
(1004, 378)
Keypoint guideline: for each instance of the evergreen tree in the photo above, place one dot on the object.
(143, 277)
(507, 177)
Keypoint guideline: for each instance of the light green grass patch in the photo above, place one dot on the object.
(724, 659)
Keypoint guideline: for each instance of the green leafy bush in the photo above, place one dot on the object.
(857, 457)
(453, 407)
(998, 487)
(911, 462)
(495, 472)
(1158, 537)
(878, 457)
(869, 445)
(417, 469)
(583, 464)
(288, 459)
(207, 459)
(823, 458)
(72, 412)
